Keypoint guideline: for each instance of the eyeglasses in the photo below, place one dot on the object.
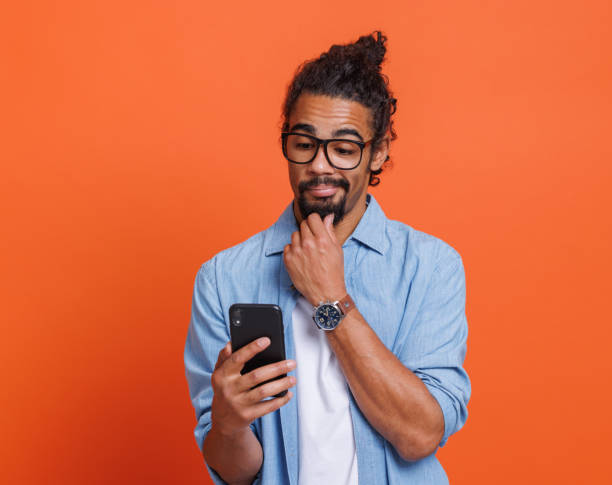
(340, 153)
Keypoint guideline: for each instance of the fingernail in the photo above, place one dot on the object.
(262, 342)
(291, 364)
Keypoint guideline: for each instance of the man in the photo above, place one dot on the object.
(377, 376)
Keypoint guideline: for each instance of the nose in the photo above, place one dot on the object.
(320, 164)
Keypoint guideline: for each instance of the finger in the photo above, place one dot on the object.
(323, 228)
(328, 222)
(237, 360)
(265, 373)
(265, 407)
(287, 255)
(316, 225)
(224, 354)
(305, 232)
(269, 389)
(296, 240)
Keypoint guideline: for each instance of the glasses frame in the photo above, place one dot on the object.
(319, 142)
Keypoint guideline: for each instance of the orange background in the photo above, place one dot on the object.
(123, 170)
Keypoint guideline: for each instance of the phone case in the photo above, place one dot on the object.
(250, 321)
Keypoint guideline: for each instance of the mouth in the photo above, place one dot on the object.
(322, 190)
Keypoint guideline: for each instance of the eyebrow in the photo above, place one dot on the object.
(311, 129)
(304, 127)
(347, 131)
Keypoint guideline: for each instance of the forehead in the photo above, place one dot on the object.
(327, 114)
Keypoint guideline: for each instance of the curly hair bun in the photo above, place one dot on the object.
(368, 50)
(372, 49)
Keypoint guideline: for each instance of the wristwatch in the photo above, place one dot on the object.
(328, 314)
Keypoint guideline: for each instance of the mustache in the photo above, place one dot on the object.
(302, 186)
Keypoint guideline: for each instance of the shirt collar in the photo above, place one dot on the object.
(370, 231)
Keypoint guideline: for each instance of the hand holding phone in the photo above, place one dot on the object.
(240, 398)
(250, 321)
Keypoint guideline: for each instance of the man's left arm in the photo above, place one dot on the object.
(395, 400)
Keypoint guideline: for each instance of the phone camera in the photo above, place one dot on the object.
(237, 322)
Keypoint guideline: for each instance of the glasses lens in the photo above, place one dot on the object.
(300, 148)
(344, 153)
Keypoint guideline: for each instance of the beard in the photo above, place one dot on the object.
(323, 205)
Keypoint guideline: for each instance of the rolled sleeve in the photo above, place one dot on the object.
(437, 342)
(207, 335)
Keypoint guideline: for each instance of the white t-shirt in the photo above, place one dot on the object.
(326, 440)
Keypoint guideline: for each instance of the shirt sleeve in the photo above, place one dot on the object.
(436, 344)
(206, 336)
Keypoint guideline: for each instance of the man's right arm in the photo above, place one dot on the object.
(223, 399)
(230, 447)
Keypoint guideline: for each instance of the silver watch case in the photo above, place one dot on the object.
(327, 315)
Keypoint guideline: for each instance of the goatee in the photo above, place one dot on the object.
(324, 205)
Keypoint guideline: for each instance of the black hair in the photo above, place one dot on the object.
(350, 71)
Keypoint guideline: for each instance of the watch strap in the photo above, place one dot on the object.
(346, 304)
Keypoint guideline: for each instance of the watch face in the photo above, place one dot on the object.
(327, 317)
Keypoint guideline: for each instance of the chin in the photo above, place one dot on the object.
(323, 206)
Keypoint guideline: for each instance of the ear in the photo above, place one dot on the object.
(381, 154)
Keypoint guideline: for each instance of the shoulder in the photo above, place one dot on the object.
(421, 245)
(243, 255)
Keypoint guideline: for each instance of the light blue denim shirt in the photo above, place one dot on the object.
(410, 288)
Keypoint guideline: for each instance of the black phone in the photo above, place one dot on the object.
(250, 321)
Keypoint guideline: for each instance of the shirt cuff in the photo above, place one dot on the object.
(448, 411)
(217, 480)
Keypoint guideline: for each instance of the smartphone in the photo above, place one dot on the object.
(250, 321)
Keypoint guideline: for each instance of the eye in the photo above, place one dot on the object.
(344, 149)
(298, 142)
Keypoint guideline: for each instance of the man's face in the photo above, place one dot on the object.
(317, 186)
